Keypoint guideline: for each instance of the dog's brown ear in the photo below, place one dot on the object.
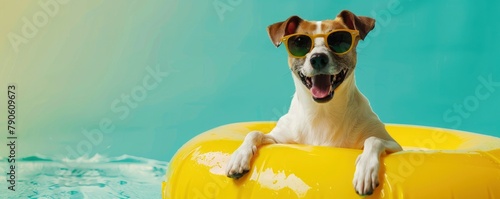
(362, 24)
(278, 30)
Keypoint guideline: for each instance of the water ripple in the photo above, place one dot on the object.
(86, 177)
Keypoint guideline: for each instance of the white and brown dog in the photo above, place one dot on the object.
(327, 108)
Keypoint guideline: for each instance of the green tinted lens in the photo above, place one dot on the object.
(299, 45)
(340, 42)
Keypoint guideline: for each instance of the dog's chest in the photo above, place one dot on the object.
(322, 132)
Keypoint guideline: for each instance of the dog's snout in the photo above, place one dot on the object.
(319, 60)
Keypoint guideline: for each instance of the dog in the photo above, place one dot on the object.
(327, 109)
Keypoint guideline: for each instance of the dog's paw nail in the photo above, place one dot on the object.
(369, 193)
(233, 175)
(244, 172)
(357, 192)
(237, 176)
(376, 184)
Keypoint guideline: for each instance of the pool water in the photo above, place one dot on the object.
(95, 177)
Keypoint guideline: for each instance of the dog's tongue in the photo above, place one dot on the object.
(320, 86)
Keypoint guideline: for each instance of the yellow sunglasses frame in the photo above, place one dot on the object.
(354, 34)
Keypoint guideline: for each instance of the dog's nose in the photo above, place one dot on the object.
(319, 60)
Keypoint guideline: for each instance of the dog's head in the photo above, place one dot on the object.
(321, 53)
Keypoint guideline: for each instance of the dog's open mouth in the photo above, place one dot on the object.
(322, 86)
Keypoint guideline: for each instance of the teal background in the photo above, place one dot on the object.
(423, 58)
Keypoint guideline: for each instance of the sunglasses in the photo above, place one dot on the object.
(339, 41)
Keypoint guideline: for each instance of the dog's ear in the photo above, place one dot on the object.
(278, 30)
(362, 24)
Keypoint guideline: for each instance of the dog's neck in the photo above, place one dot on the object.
(347, 93)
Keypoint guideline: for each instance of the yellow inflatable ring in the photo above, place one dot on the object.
(436, 163)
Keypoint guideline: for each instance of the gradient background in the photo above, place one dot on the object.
(418, 63)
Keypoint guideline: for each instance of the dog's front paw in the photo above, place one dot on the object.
(366, 175)
(239, 163)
